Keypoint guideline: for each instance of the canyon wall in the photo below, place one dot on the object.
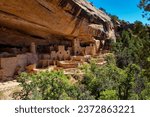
(24, 21)
(50, 31)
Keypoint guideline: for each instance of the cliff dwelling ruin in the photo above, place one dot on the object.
(42, 33)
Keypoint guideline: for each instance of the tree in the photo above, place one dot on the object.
(50, 86)
(132, 52)
(127, 49)
(145, 5)
(103, 81)
(46, 86)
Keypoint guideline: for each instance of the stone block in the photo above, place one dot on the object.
(53, 55)
(22, 61)
(32, 58)
(67, 64)
(1, 74)
(9, 66)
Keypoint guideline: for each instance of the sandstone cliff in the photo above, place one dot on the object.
(42, 33)
(43, 21)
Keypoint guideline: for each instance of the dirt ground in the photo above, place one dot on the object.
(7, 89)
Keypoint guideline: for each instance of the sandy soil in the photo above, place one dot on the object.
(7, 89)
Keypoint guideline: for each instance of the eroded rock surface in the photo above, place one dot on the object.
(51, 19)
(51, 31)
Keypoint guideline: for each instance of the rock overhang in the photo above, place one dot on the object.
(50, 19)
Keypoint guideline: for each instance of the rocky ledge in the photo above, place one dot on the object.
(46, 20)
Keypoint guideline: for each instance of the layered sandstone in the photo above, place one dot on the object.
(53, 19)
(44, 32)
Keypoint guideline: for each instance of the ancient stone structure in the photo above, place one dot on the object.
(46, 32)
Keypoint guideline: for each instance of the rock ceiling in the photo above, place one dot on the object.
(24, 21)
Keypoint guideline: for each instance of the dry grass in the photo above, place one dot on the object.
(8, 94)
(2, 96)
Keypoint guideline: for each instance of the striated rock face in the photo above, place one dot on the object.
(40, 33)
(42, 21)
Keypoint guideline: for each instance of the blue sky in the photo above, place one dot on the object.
(125, 9)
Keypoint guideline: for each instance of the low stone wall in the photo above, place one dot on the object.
(67, 64)
(77, 58)
(10, 65)
(1, 74)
